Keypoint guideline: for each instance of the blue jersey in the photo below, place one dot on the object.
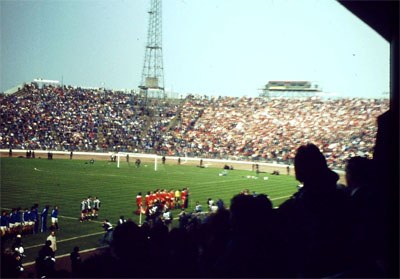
(45, 212)
(13, 217)
(54, 213)
(18, 217)
(31, 216)
(4, 220)
(26, 216)
(34, 214)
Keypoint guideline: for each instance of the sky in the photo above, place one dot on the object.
(210, 47)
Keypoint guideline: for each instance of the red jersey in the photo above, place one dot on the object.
(139, 200)
(147, 199)
(164, 196)
(183, 195)
(153, 197)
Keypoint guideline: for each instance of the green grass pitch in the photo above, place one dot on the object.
(66, 182)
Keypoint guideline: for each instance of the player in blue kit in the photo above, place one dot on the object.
(54, 218)
(4, 223)
(35, 217)
(43, 218)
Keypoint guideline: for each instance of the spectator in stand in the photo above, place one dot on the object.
(45, 261)
(18, 247)
(10, 264)
(251, 218)
(365, 236)
(76, 262)
(314, 220)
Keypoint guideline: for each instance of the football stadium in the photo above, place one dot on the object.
(99, 182)
(212, 149)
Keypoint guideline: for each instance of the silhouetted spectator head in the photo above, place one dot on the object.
(358, 171)
(264, 203)
(247, 211)
(309, 162)
(127, 238)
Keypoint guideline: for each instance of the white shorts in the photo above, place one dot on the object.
(54, 220)
(214, 208)
(16, 224)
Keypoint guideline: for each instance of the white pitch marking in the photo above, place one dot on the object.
(67, 239)
(65, 255)
(75, 218)
(278, 198)
(219, 181)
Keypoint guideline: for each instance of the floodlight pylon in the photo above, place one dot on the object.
(152, 83)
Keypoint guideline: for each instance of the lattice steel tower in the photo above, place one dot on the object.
(152, 84)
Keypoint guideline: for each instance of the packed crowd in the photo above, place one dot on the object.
(271, 129)
(67, 118)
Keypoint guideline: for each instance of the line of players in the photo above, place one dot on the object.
(90, 208)
(26, 221)
(170, 199)
(159, 201)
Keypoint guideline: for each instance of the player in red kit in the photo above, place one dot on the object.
(164, 195)
(171, 199)
(139, 202)
(183, 197)
(147, 199)
(153, 197)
